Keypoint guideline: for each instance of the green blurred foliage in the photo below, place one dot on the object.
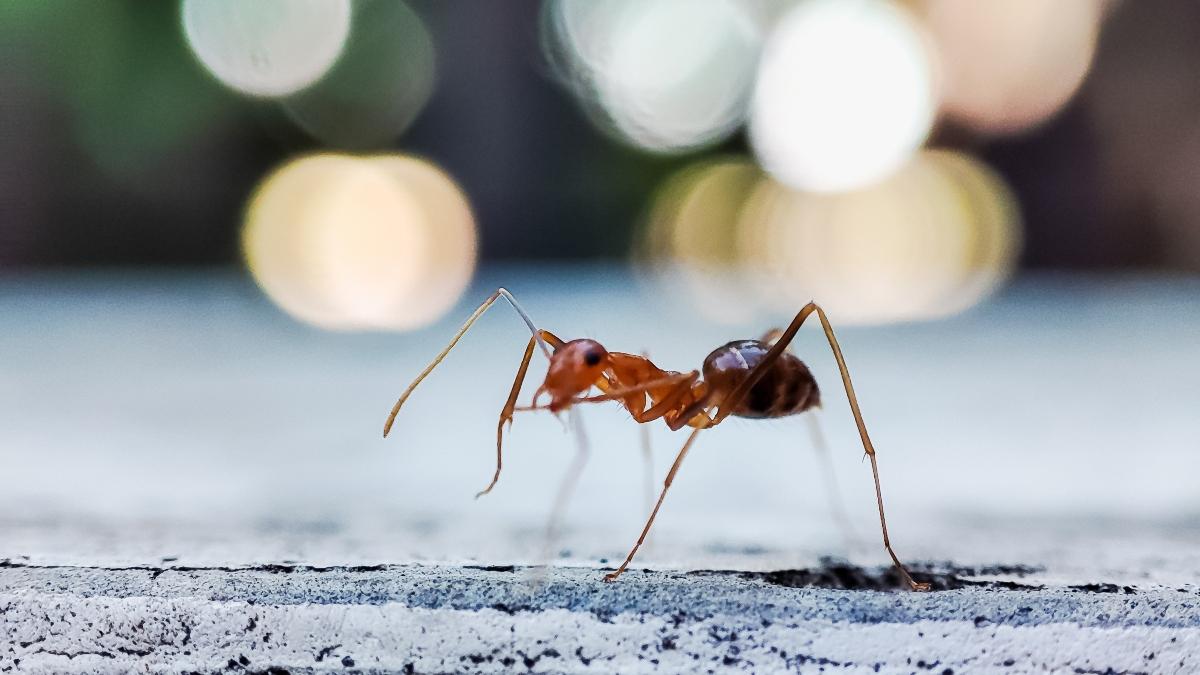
(133, 88)
(378, 85)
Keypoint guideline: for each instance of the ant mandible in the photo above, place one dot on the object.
(755, 379)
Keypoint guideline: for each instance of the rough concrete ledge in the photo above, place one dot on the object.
(430, 619)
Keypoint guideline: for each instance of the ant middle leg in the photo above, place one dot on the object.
(680, 383)
(647, 463)
(610, 393)
(837, 505)
(612, 576)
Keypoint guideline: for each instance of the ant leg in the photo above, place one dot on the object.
(647, 463)
(510, 406)
(647, 457)
(730, 403)
(667, 404)
(670, 402)
(614, 394)
(612, 576)
(542, 338)
(506, 414)
(569, 482)
(530, 408)
(771, 337)
(837, 506)
(866, 441)
(551, 339)
(664, 407)
(698, 408)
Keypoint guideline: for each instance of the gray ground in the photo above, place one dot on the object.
(445, 619)
(193, 482)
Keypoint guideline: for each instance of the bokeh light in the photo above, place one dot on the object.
(1009, 64)
(666, 76)
(385, 243)
(378, 86)
(267, 48)
(689, 243)
(985, 201)
(933, 239)
(449, 259)
(846, 92)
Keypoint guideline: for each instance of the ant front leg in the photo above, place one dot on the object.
(506, 414)
(510, 406)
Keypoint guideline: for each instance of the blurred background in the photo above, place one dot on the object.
(136, 133)
(215, 214)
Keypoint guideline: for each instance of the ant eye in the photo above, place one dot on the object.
(592, 357)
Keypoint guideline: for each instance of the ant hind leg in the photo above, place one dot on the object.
(772, 336)
(837, 505)
(735, 397)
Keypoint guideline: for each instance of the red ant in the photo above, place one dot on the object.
(756, 379)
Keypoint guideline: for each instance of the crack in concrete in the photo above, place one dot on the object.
(158, 570)
(831, 574)
(72, 655)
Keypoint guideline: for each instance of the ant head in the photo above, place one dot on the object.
(575, 367)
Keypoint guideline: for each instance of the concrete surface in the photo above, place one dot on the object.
(451, 619)
(188, 472)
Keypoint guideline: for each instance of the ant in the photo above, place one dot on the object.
(756, 379)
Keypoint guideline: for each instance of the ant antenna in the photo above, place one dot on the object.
(500, 292)
(524, 315)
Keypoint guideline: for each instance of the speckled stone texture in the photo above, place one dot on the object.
(434, 619)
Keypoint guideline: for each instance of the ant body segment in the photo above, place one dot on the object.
(755, 379)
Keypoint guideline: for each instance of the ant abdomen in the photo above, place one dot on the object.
(787, 387)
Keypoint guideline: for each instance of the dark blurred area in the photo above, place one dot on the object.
(117, 148)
